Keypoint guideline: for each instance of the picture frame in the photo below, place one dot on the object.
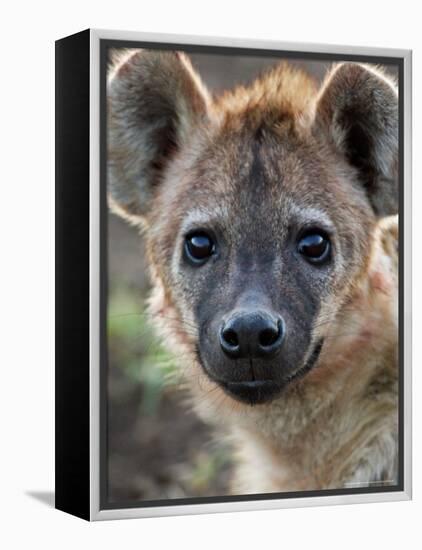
(82, 286)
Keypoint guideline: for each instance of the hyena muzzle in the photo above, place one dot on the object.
(260, 209)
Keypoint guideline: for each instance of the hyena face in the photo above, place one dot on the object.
(258, 206)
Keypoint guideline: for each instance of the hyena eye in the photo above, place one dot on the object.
(199, 247)
(315, 246)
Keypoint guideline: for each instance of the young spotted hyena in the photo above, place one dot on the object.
(269, 219)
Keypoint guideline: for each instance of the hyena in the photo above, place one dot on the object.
(269, 219)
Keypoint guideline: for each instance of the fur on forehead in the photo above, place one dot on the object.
(160, 111)
(280, 93)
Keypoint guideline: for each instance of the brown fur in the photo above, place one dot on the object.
(254, 163)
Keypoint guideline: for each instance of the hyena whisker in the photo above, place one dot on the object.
(339, 317)
(331, 321)
(151, 329)
(343, 335)
(347, 308)
(175, 319)
(151, 317)
(213, 400)
(350, 322)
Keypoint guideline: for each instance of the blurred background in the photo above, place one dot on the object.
(157, 448)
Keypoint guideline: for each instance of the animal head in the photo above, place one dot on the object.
(258, 207)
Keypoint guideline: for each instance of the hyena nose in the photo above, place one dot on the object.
(253, 334)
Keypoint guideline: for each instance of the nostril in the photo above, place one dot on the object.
(269, 336)
(231, 337)
(230, 342)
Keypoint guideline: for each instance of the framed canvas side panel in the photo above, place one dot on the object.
(72, 476)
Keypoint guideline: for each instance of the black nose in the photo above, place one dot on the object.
(252, 334)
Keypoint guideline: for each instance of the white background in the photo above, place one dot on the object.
(27, 275)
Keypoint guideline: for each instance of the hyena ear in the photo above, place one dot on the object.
(154, 100)
(358, 108)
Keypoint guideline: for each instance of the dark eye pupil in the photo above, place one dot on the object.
(199, 246)
(314, 246)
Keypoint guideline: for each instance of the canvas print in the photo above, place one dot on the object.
(252, 275)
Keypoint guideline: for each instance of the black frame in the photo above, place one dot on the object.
(72, 275)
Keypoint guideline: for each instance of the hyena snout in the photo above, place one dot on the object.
(252, 334)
